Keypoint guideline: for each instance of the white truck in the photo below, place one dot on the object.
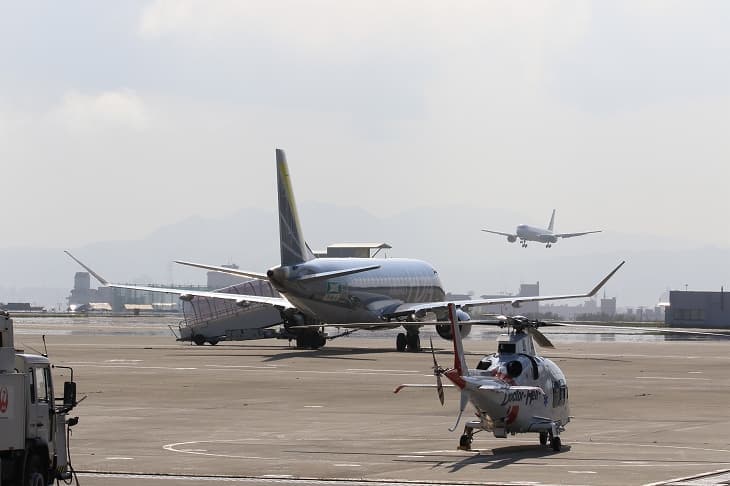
(33, 423)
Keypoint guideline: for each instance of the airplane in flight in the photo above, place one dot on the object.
(547, 235)
(355, 293)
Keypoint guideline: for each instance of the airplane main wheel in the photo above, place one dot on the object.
(401, 342)
(465, 442)
(414, 343)
(555, 443)
(199, 340)
(213, 341)
(543, 438)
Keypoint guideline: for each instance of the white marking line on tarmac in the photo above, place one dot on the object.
(264, 367)
(119, 458)
(668, 378)
(381, 371)
(582, 472)
(347, 465)
(313, 406)
(134, 367)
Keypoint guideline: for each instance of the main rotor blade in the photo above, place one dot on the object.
(539, 338)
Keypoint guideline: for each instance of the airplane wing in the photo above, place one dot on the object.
(410, 308)
(499, 233)
(570, 235)
(239, 299)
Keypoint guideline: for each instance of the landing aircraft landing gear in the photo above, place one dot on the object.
(410, 341)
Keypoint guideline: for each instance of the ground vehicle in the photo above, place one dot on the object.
(33, 428)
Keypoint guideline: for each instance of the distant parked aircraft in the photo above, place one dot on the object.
(527, 233)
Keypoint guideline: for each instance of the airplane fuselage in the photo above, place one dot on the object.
(531, 233)
(359, 297)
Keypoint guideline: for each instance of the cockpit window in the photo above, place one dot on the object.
(507, 348)
(484, 364)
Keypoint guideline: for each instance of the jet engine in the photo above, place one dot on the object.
(511, 238)
(444, 330)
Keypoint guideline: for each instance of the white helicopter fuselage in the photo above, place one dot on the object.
(512, 391)
(517, 392)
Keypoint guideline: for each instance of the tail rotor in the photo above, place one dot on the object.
(437, 372)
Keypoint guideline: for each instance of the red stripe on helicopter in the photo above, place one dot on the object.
(512, 414)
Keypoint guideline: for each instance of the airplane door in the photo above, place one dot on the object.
(41, 404)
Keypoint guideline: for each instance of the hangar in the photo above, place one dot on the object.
(698, 309)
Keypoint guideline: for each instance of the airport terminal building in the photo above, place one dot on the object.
(697, 309)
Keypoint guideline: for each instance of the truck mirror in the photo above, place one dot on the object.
(69, 393)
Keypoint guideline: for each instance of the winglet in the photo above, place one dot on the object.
(101, 279)
(603, 282)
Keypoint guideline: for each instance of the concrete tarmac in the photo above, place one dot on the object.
(159, 412)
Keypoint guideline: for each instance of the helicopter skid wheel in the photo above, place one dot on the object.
(555, 444)
(465, 442)
(543, 438)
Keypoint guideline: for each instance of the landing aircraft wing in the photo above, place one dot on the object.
(570, 235)
(239, 299)
(410, 308)
(499, 233)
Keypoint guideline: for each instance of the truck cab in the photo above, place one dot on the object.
(33, 424)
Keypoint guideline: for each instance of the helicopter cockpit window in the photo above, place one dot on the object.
(484, 364)
(507, 348)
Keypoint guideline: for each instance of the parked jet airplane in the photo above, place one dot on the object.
(346, 292)
(527, 233)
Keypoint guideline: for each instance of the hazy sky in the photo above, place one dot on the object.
(118, 117)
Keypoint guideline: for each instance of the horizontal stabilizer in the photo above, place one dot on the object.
(335, 273)
(419, 385)
(229, 271)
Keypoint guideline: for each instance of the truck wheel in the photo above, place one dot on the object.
(35, 473)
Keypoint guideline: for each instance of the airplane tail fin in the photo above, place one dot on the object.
(291, 240)
(552, 222)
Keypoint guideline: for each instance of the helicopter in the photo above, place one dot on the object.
(513, 391)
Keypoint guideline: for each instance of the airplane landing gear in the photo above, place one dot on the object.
(410, 341)
(543, 438)
(401, 342)
(310, 340)
(555, 444)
